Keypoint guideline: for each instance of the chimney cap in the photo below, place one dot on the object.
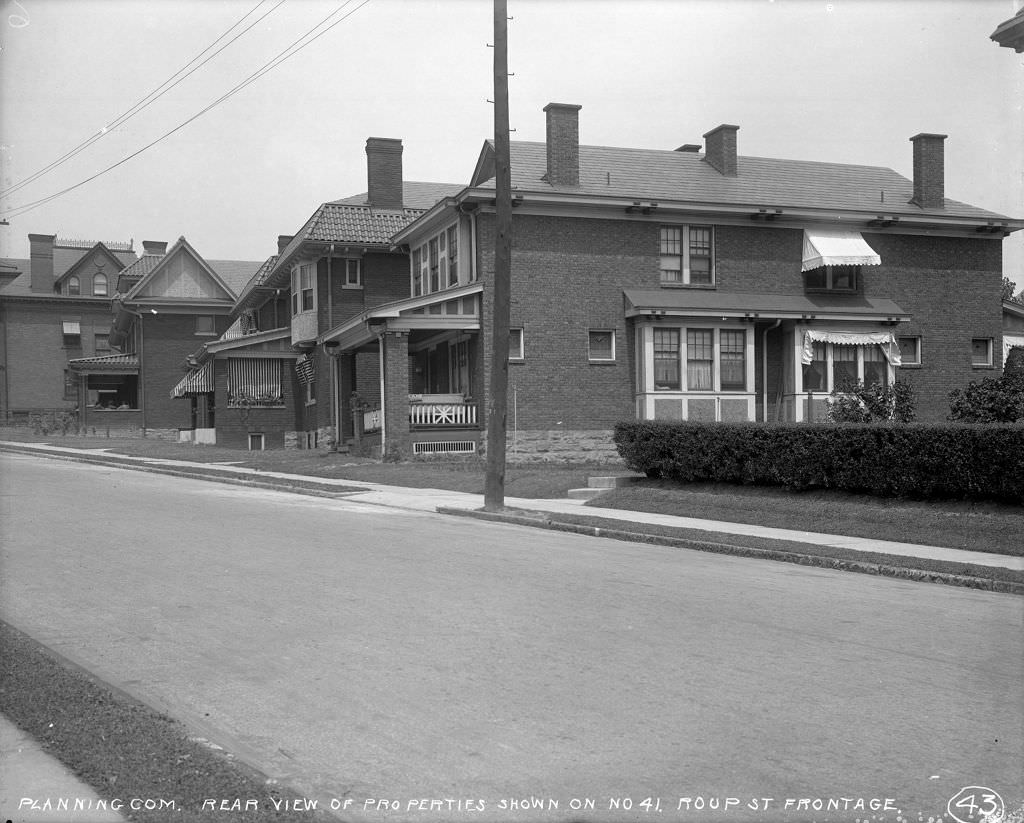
(928, 136)
(384, 143)
(571, 106)
(689, 147)
(723, 127)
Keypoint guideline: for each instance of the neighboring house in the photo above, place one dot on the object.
(167, 302)
(1010, 33)
(683, 285)
(280, 387)
(54, 308)
(1013, 328)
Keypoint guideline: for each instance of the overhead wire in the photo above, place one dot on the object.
(268, 66)
(149, 99)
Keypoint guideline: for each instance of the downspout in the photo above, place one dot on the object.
(764, 369)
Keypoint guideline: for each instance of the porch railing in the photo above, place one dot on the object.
(453, 415)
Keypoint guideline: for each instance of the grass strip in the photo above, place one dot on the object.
(923, 569)
(123, 748)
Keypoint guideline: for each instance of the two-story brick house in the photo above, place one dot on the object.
(340, 264)
(166, 303)
(689, 285)
(54, 308)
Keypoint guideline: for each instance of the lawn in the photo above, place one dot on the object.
(987, 527)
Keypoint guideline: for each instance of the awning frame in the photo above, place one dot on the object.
(834, 247)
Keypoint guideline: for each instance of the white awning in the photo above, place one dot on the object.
(197, 381)
(885, 339)
(1011, 341)
(832, 247)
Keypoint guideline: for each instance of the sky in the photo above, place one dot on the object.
(845, 81)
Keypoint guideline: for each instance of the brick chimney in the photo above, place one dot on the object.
(41, 262)
(929, 171)
(720, 149)
(282, 242)
(563, 140)
(384, 172)
(154, 247)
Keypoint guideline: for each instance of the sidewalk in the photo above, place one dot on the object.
(37, 788)
(459, 502)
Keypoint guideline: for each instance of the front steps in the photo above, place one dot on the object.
(599, 485)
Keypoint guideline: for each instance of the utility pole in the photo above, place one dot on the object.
(497, 416)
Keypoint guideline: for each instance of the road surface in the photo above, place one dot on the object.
(409, 659)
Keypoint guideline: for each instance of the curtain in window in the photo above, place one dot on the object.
(875, 368)
(733, 348)
(844, 366)
(700, 355)
(816, 372)
(254, 380)
(666, 359)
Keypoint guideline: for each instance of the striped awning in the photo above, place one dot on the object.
(305, 368)
(254, 380)
(198, 381)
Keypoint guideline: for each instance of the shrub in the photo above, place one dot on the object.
(912, 460)
(992, 400)
(860, 404)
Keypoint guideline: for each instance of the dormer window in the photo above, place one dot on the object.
(74, 285)
(99, 285)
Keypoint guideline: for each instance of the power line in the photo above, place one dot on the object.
(146, 101)
(17, 211)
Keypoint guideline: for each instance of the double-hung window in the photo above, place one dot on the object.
(835, 367)
(981, 351)
(71, 331)
(417, 273)
(433, 253)
(303, 288)
(353, 274)
(716, 359)
(99, 285)
(687, 255)
(453, 255)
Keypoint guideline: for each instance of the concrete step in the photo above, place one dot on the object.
(614, 481)
(585, 494)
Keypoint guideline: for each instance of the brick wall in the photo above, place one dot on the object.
(278, 425)
(36, 357)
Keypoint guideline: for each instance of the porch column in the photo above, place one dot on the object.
(396, 395)
(345, 365)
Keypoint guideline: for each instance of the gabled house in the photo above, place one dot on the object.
(688, 285)
(339, 265)
(166, 302)
(54, 308)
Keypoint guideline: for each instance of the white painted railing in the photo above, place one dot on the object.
(372, 420)
(442, 414)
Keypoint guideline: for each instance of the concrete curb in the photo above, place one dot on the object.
(544, 520)
(310, 487)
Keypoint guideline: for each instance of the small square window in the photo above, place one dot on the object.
(516, 350)
(981, 351)
(205, 324)
(102, 342)
(601, 344)
(910, 351)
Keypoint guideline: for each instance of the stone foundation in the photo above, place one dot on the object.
(572, 446)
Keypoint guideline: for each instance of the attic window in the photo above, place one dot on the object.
(74, 285)
(99, 285)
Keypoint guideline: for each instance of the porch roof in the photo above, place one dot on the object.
(110, 364)
(756, 306)
(400, 315)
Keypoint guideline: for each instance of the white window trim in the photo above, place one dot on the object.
(346, 283)
(212, 332)
(684, 246)
(441, 238)
(647, 352)
(991, 347)
(590, 354)
(830, 377)
(829, 281)
(297, 307)
(920, 352)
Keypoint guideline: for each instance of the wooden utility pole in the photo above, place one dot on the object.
(497, 415)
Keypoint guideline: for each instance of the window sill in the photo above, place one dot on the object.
(705, 286)
(603, 362)
(353, 286)
(982, 366)
(909, 365)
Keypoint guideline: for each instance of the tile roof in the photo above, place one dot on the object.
(110, 361)
(676, 176)
(257, 280)
(415, 195)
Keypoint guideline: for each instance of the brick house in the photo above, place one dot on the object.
(684, 285)
(339, 265)
(165, 302)
(54, 308)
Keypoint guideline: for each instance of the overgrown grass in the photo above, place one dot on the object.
(984, 527)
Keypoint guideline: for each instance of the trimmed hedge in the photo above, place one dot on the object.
(923, 461)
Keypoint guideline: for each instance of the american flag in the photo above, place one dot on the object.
(305, 368)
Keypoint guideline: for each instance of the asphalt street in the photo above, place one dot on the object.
(371, 654)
